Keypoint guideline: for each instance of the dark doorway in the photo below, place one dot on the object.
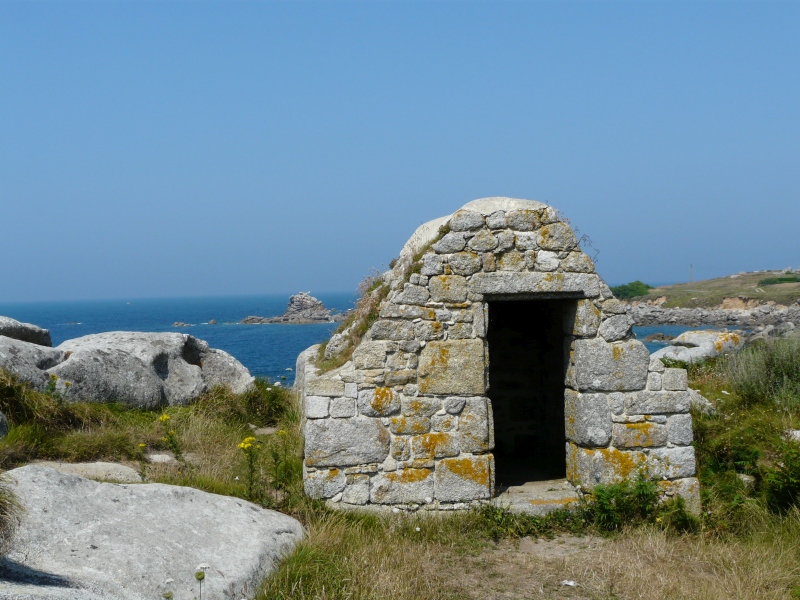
(526, 387)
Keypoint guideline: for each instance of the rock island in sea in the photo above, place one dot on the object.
(303, 309)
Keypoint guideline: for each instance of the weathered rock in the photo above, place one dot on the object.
(145, 370)
(451, 242)
(639, 435)
(465, 478)
(699, 402)
(687, 488)
(694, 346)
(587, 418)
(125, 541)
(378, 402)
(586, 320)
(659, 403)
(680, 429)
(511, 283)
(475, 426)
(452, 367)
(448, 288)
(616, 328)
(345, 442)
(466, 220)
(402, 487)
(557, 236)
(103, 471)
(24, 332)
(29, 361)
(617, 367)
(675, 380)
(324, 483)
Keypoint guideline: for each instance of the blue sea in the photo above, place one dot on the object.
(267, 350)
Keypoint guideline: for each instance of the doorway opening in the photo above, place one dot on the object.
(526, 388)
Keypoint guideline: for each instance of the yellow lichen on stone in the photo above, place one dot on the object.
(409, 475)
(382, 399)
(472, 469)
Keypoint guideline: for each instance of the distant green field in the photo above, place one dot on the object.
(753, 288)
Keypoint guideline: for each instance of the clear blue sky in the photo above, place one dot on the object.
(180, 149)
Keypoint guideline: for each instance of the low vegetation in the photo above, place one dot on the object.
(779, 280)
(634, 289)
(747, 289)
(372, 291)
(623, 542)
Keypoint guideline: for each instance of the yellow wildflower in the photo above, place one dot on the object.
(53, 377)
(164, 418)
(67, 383)
(142, 446)
(281, 432)
(171, 433)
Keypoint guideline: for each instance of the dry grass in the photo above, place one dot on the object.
(360, 557)
(711, 292)
(645, 564)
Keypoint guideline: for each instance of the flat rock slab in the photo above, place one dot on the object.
(539, 497)
(82, 539)
(104, 471)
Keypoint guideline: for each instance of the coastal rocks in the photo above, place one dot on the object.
(749, 317)
(694, 346)
(29, 361)
(303, 309)
(138, 541)
(24, 332)
(146, 370)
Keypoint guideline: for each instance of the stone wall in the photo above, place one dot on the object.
(408, 421)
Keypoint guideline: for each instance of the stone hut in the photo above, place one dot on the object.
(497, 365)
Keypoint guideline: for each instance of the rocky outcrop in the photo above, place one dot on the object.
(146, 370)
(24, 332)
(303, 309)
(29, 361)
(137, 542)
(765, 314)
(694, 346)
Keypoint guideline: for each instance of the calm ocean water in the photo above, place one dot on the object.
(267, 350)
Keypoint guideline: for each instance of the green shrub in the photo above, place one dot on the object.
(782, 483)
(621, 504)
(767, 372)
(634, 289)
(776, 280)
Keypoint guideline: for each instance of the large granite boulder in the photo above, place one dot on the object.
(695, 346)
(24, 332)
(145, 370)
(83, 539)
(28, 360)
